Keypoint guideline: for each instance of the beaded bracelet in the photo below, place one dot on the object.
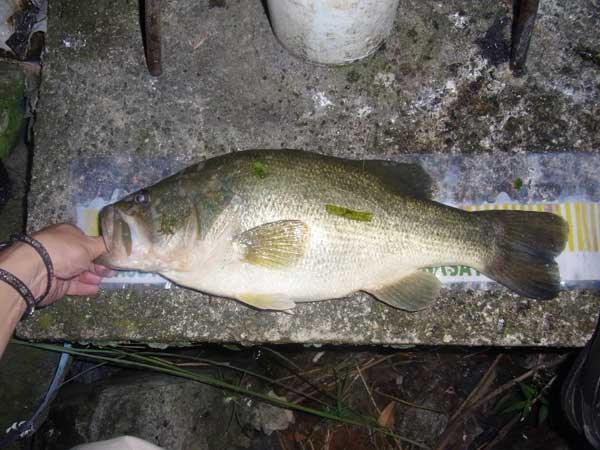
(38, 247)
(17, 284)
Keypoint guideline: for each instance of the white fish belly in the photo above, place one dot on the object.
(334, 265)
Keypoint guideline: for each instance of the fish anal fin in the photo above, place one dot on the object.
(413, 292)
(276, 302)
(275, 245)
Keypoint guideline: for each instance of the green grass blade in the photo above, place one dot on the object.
(241, 370)
(149, 363)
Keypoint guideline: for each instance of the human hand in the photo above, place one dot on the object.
(72, 254)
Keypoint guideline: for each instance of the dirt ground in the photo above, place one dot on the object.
(472, 399)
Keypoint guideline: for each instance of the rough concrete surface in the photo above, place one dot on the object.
(440, 84)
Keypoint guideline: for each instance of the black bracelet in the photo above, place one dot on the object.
(38, 247)
(21, 288)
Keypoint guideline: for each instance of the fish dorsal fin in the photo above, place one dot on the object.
(275, 302)
(403, 178)
(413, 292)
(275, 245)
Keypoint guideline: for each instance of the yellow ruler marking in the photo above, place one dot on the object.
(595, 230)
(579, 220)
(569, 219)
(585, 213)
(587, 222)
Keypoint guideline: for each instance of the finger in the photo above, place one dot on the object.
(89, 278)
(103, 271)
(96, 246)
(76, 287)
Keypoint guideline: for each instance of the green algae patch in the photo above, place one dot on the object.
(347, 213)
(260, 169)
(44, 322)
(518, 184)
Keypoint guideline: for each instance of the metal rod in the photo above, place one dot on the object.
(524, 14)
(152, 36)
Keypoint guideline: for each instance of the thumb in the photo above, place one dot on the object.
(96, 246)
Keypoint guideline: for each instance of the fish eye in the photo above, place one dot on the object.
(141, 198)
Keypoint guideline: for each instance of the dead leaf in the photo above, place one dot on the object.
(387, 416)
(299, 437)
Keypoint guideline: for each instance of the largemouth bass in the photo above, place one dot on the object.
(274, 227)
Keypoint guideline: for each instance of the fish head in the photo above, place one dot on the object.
(152, 230)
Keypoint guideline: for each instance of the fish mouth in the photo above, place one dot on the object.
(116, 234)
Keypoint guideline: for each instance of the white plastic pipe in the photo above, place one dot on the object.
(332, 31)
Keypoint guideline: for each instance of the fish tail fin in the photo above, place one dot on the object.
(524, 249)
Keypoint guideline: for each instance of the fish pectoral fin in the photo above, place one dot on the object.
(413, 292)
(275, 245)
(277, 302)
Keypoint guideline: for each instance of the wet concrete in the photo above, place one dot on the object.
(440, 84)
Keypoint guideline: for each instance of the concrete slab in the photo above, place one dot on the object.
(440, 84)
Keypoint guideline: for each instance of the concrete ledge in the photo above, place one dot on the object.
(180, 317)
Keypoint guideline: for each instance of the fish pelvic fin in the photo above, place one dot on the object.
(525, 246)
(413, 292)
(276, 302)
(275, 245)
